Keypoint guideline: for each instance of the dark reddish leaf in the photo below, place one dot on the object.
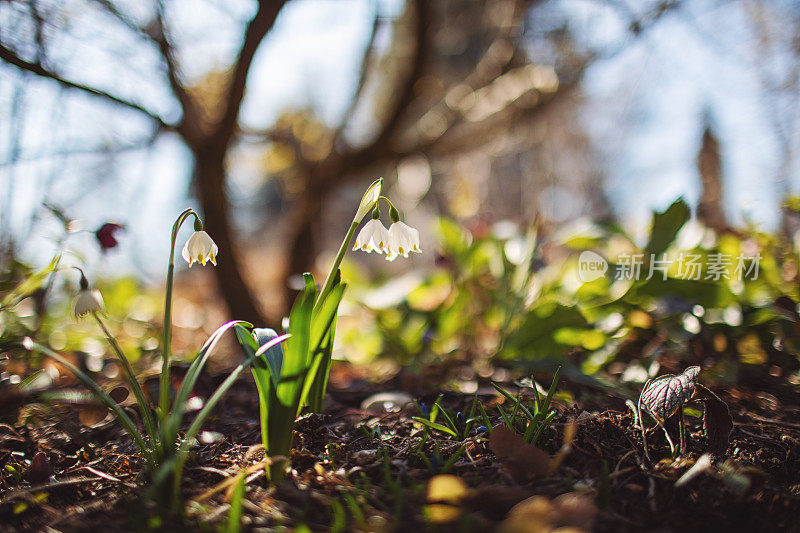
(522, 460)
(105, 235)
(39, 471)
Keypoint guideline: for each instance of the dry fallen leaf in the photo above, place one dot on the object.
(522, 460)
(446, 492)
(534, 515)
(576, 510)
(569, 512)
(119, 394)
(92, 414)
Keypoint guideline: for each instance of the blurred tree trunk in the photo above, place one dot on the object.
(710, 209)
(210, 184)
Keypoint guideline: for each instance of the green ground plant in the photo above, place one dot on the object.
(453, 422)
(512, 298)
(530, 420)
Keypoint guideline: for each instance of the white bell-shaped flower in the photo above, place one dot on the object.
(402, 240)
(88, 301)
(200, 247)
(373, 237)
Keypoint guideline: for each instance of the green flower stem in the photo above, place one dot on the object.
(326, 288)
(368, 202)
(166, 335)
(389, 202)
(144, 407)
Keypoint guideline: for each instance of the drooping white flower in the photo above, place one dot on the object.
(200, 247)
(88, 301)
(402, 240)
(373, 237)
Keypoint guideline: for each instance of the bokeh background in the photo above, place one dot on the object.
(501, 116)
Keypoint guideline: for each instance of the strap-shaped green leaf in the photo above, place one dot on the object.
(325, 316)
(323, 328)
(434, 425)
(297, 358)
(272, 356)
(30, 284)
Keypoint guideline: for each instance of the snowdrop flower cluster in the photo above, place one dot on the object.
(399, 239)
(201, 248)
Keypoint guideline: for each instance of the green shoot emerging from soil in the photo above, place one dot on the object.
(532, 419)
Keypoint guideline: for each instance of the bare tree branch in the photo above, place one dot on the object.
(259, 26)
(110, 8)
(422, 49)
(366, 63)
(190, 126)
(99, 149)
(11, 57)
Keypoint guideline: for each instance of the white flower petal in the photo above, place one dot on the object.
(373, 237)
(403, 239)
(88, 301)
(200, 247)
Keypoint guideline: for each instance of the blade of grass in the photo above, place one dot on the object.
(486, 420)
(507, 420)
(435, 408)
(541, 427)
(516, 401)
(144, 406)
(234, 524)
(453, 458)
(552, 391)
(449, 420)
(123, 418)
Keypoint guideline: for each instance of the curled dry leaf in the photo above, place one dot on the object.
(522, 460)
(717, 421)
(664, 395)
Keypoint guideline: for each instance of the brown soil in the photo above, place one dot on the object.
(369, 468)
